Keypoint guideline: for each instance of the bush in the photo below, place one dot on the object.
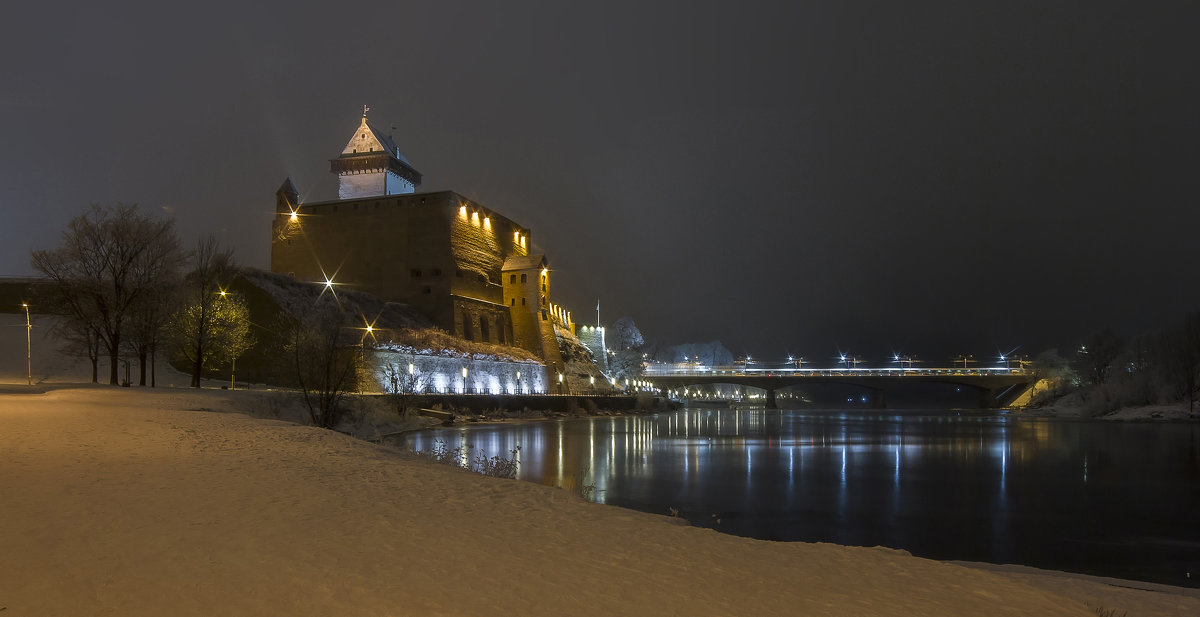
(478, 461)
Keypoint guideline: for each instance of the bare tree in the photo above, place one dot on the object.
(108, 261)
(1182, 358)
(326, 360)
(404, 384)
(148, 323)
(79, 338)
(1098, 354)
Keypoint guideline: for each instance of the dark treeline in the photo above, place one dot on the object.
(125, 289)
(1107, 372)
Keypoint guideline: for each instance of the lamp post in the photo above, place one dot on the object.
(28, 345)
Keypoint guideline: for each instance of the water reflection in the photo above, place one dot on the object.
(1070, 495)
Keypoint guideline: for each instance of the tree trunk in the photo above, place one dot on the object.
(153, 364)
(142, 368)
(114, 370)
(95, 369)
(197, 367)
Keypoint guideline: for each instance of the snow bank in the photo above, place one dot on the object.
(134, 502)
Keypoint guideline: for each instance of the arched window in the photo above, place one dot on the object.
(483, 329)
(467, 334)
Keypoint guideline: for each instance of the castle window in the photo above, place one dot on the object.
(522, 301)
(514, 301)
(543, 314)
(437, 271)
(512, 278)
(364, 136)
(467, 334)
(522, 278)
(416, 273)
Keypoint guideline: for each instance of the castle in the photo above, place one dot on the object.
(464, 266)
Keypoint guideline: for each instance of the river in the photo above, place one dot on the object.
(1105, 498)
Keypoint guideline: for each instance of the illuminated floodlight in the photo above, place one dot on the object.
(294, 216)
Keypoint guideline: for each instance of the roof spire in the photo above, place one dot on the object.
(365, 110)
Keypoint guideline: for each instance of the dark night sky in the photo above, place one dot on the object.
(930, 177)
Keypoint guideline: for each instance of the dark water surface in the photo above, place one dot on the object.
(1107, 498)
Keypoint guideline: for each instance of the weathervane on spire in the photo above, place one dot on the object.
(365, 110)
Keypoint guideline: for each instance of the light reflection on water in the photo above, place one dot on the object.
(1100, 497)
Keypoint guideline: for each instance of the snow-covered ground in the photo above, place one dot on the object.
(131, 501)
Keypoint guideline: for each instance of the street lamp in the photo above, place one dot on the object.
(28, 345)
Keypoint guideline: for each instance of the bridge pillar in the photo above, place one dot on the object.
(879, 399)
(987, 399)
(771, 404)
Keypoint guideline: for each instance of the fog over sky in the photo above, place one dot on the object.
(934, 177)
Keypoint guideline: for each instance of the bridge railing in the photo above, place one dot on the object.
(692, 370)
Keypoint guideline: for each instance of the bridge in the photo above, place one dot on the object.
(997, 387)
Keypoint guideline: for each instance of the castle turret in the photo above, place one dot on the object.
(371, 164)
(286, 198)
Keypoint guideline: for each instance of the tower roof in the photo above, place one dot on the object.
(287, 188)
(368, 139)
(524, 262)
(368, 149)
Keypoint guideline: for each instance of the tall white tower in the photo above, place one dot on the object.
(371, 164)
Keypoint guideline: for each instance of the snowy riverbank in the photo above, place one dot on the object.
(136, 502)
(1175, 412)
